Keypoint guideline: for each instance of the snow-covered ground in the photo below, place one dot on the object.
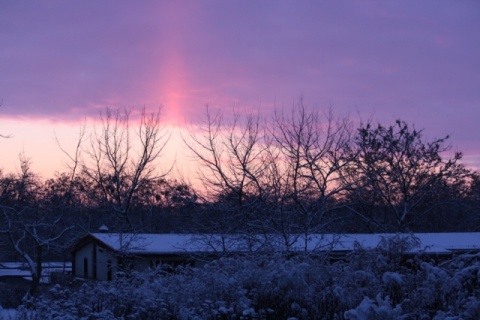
(21, 270)
(8, 314)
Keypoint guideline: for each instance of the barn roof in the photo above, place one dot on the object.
(138, 243)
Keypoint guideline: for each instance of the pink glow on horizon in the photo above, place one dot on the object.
(37, 141)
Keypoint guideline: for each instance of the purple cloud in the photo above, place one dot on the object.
(412, 60)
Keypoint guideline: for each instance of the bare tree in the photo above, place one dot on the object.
(32, 228)
(233, 170)
(120, 160)
(282, 179)
(474, 199)
(396, 174)
(315, 148)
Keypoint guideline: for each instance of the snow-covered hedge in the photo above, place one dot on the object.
(370, 285)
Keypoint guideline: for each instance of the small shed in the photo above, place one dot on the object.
(101, 255)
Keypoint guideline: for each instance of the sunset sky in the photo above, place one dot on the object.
(64, 61)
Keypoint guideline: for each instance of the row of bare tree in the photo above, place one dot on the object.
(296, 173)
(310, 172)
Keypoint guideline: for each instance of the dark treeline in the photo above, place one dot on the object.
(301, 172)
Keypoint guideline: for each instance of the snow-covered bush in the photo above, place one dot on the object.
(413, 284)
(11, 295)
(366, 286)
(268, 287)
(374, 310)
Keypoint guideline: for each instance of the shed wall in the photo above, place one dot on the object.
(85, 252)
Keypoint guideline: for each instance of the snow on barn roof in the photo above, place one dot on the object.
(189, 243)
(426, 242)
(146, 243)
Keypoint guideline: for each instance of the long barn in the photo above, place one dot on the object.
(101, 255)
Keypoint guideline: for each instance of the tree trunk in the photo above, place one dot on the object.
(37, 275)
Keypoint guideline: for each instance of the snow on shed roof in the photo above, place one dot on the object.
(189, 243)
